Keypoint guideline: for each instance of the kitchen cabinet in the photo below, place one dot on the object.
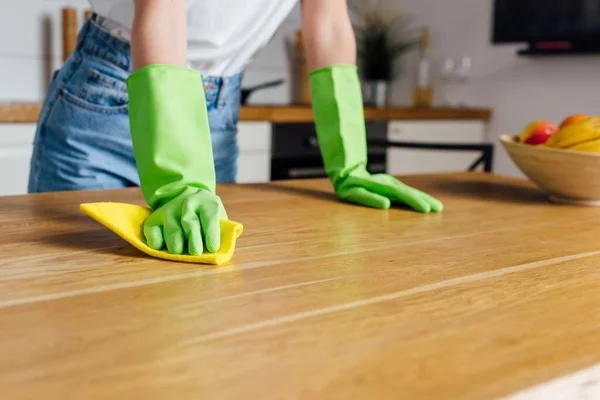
(16, 144)
(415, 161)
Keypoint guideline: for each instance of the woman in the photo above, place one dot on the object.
(151, 97)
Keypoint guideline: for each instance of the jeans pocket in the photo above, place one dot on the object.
(98, 91)
(104, 90)
(91, 106)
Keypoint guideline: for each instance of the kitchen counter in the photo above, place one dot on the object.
(28, 113)
(322, 299)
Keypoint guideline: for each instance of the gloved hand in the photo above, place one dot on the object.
(173, 153)
(339, 121)
(194, 214)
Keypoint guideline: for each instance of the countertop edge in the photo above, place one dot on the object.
(29, 112)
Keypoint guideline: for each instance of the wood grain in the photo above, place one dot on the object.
(28, 113)
(322, 299)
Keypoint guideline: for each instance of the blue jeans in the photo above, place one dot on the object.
(83, 140)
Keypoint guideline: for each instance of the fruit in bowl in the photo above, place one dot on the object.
(578, 136)
(576, 132)
(538, 132)
(567, 164)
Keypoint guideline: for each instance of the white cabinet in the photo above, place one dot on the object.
(401, 161)
(254, 162)
(16, 144)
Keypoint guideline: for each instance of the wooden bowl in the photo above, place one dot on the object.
(568, 176)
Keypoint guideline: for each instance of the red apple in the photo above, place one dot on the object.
(538, 138)
(538, 132)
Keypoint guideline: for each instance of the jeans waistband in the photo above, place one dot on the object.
(113, 28)
(96, 41)
(96, 38)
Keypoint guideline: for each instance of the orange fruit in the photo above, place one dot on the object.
(572, 119)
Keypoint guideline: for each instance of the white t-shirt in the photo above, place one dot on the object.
(223, 35)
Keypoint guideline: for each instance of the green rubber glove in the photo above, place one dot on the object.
(173, 152)
(340, 126)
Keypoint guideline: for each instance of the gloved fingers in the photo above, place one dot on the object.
(362, 196)
(211, 211)
(411, 197)
(414, 198)
(190, 222)
(436, 205)
(191, 227)
(173, 234)
(154, 236)
(395, 190)
(398, 191)
(386, 185)
(195, 241)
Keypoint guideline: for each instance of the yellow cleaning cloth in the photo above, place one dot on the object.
(127, 220)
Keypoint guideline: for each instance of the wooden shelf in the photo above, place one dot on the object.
(19, 112)
(305, 114)
(28, 113)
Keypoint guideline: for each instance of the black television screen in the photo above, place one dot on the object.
(546, 20)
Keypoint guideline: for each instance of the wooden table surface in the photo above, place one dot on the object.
(323, 300)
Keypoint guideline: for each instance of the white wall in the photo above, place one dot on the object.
(518, 89)
(30, 49)
(29, 46)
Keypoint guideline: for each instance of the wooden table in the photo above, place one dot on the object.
(323, 300)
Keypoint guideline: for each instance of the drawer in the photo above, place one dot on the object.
(437, 131)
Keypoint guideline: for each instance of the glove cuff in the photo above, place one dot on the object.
(170, 131)
(339, 119)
